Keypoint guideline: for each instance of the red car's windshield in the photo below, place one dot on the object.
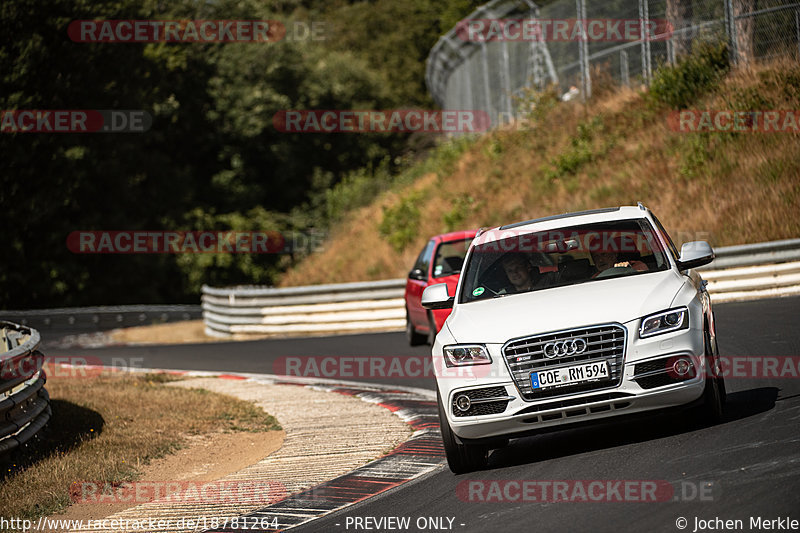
(450, 257)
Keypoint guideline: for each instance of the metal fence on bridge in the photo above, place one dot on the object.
(488, 71)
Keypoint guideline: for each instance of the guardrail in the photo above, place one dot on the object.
(754, 254)
(738, 273)
(752, 271)
(24, 402)
(103, 318)
(342, 307)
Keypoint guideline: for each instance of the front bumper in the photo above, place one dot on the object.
(631, 396)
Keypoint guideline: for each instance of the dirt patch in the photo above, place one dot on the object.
(206, 458)
(188, 332)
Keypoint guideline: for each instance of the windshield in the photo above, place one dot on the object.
(450, 257)
(525, 262)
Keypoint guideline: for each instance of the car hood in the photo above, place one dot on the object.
(614, 300)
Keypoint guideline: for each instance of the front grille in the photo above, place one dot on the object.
(659, 380)
(603, 343)
(487, 392)
(650, 366)
(573, 402)
(488, 408)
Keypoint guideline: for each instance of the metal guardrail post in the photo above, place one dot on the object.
(671, 50)
(730, 30)
(644, 16)
(583, 52)
(623, 68)
(506, 80)
(486, 87)
(797, 30)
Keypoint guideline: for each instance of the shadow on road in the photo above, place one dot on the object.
(626, 431)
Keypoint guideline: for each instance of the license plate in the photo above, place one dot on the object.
(569, 374)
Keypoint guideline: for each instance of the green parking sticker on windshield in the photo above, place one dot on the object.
(478, 291)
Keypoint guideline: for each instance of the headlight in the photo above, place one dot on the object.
(466, 354)
(664, 322)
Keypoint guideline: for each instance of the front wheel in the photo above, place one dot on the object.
(431, 329)
(461, 458)
(414, 338)
(713, 407)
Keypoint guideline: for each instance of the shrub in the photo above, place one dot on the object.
(400, 222)
(581, 150)
(454, 219)
(701, 71)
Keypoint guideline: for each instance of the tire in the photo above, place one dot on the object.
(414, 338)
(713, 406)
(461, 458)
(431, 329)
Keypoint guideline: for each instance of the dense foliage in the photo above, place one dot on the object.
(212, 159)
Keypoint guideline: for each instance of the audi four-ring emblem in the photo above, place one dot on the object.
(567, 347)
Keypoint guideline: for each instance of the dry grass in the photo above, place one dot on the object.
(185, 332)
(725, 188)
(106, 428)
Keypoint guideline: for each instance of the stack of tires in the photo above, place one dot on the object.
(24, 402)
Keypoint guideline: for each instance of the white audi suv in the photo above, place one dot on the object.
(572, 319)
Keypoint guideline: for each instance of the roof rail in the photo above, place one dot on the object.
(556, 217)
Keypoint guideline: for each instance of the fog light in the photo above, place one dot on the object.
(463, 403)
(682, 367)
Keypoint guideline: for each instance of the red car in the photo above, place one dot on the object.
(439, 262)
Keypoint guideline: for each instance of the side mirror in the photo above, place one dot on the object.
(695, 254)
(418, 274)
(436, 297)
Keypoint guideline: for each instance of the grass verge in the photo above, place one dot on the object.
(107, 427)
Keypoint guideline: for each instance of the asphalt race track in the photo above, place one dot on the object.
(746, 468)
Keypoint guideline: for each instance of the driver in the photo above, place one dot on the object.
(603, 260)
(519, 272)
